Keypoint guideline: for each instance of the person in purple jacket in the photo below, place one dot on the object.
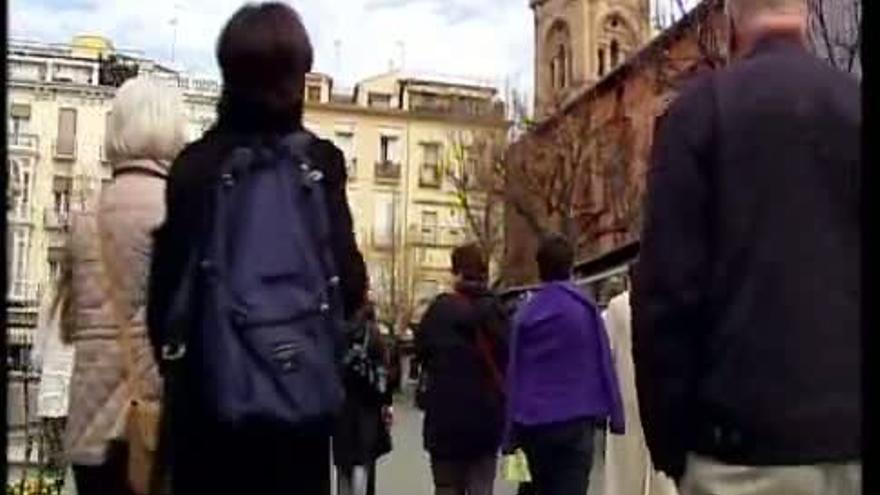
(561, 380)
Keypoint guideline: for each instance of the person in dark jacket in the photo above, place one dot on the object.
(362, 432)
(747, 292)
(461, 343)
(264, 53)
(562, 385)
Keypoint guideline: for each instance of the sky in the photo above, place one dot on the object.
(489, 40)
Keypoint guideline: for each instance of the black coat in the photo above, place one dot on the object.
(464, 411)
(747, 292)
(361, 435)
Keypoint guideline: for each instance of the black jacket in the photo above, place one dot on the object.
(747, 292)
(464, 407)
(193, 172)
(361, 435)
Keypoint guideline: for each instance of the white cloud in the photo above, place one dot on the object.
(486, 39)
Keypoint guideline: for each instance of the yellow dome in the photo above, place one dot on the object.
(91, 46)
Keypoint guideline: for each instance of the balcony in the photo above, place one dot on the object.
(430, 176)
(23, 292)
(468, 107)
(438, 236)
(62, 154)
(55, 220)
(351, 169)
(21, 214)
(23, 143)
(387, 171)
(105, 160)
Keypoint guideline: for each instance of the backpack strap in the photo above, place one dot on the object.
(296, 146)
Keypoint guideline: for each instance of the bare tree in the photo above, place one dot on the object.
(394, 290)
(575, 177)
(474, 167)
(836, 32)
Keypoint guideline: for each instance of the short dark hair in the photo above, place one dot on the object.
(555, 258)
(468, 262)
(264, 52)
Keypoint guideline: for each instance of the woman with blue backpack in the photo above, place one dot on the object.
(254, 273)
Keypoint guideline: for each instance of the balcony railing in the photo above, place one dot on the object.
(439, 236)
(351, 168)
(429, 175)
(387, 171)
(21, 214)
(23, 142)
(64, 154)
(23, 292)
(55, 220)
(105, 160)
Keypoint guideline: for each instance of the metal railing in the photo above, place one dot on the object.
(429, 175)
(21, 214)
(55, 220)
(25, 142)
(387, 171)
(351, 168)
(439, 236)
(23, 291)
(36, 462)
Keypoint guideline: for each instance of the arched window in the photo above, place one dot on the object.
(615, 53)
(562, 60)
(558, 56)
(616, 40)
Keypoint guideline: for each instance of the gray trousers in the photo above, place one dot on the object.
(707, 477)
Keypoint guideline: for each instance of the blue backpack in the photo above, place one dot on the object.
(269, 323)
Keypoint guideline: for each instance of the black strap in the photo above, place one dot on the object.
(139, 170)
(484, 344)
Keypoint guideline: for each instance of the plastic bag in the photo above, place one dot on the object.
(515, 468)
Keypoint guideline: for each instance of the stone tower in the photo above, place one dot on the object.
(577, 42)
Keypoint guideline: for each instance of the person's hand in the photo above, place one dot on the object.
(388, 415)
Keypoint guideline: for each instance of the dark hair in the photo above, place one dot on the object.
(555, 258)
(264, 54)
(468, 263)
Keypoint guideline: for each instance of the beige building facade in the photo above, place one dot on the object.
(394, 130)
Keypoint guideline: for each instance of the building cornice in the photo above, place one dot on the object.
(407, 115)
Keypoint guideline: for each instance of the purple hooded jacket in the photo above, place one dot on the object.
(560, 364)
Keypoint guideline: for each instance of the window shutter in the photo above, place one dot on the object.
(66, 144)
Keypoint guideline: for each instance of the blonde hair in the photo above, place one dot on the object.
(740, 9)
(148, 121)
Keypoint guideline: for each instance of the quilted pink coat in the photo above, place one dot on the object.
(131, 207)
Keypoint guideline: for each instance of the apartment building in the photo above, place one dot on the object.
(394, 130)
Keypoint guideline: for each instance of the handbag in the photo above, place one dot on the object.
(367, 370)
(422, 388)
(515, 467)
(142, 421)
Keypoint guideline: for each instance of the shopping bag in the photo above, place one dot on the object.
(515, 468)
